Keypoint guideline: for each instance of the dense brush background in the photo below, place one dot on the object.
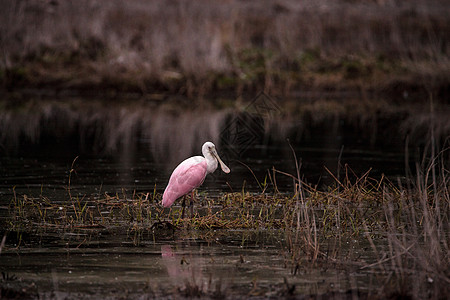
(195, 47)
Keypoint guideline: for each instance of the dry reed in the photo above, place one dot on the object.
(195, 47)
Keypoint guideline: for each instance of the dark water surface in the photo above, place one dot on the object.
(236, 264)
(37, 173)
(135, 145)
(126, 149)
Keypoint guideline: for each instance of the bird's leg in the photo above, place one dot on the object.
(183, 205)
(191, 205)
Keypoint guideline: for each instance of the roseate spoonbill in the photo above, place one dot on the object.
(191, 173)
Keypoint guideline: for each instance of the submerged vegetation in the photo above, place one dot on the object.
(194, 48)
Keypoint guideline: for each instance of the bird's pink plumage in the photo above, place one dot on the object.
(187, 176)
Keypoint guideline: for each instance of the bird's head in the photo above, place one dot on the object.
(211, 149)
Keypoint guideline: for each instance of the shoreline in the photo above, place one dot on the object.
(397, 92)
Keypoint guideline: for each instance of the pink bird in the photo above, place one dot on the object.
(191, 173)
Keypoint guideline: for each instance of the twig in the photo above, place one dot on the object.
(388, 259)
(3, 243)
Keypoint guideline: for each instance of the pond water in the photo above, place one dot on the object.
(135, 147)
(36, 173)
(131, 149)
(237, 264)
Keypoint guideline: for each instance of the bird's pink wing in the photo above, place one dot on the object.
(186, 177)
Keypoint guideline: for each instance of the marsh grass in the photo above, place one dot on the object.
(405, 225)
(418, 234)
(349, 207)
(193, 48)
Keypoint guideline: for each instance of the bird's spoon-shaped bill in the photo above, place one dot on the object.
(222, 165)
